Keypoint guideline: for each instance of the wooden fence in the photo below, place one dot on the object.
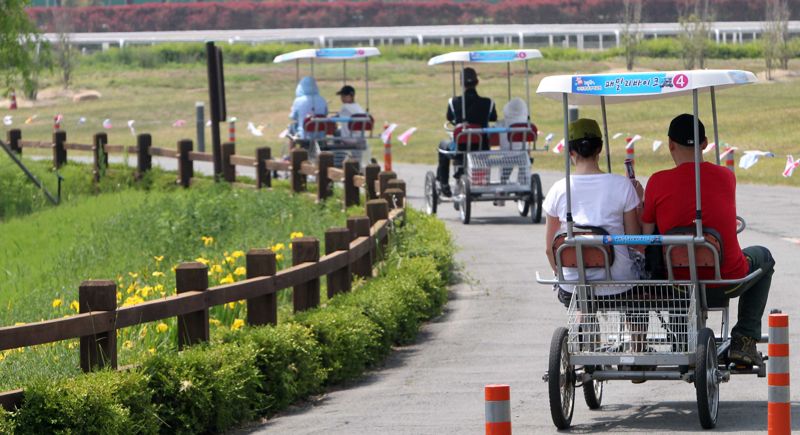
(375, 183)
(348, 251)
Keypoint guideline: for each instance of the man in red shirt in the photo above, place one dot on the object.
(669, 202)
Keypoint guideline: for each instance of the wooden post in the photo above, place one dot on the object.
(394, 198)
(59, 152)
(98, 350)
(359, 227)
(192, 327)
(324, 184)
(397, 183)
(351, 193)
(228, 169)
(262, 310)
(338, 239)
(100, 158)
(378, 209)
(383, 181)
(144, 161)
(370, 176)
(263, 175)
(14, 137)
(306, 295)
(298, 156)
(185, 164)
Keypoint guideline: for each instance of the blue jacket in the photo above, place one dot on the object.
(307, 101)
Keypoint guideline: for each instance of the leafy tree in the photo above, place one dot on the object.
(694, 38)
(775, 39)
(631, 19)
(23, 52)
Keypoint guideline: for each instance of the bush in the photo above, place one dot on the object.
(205, 388)
(289, 359)
(426, 236)
(102, 403)
(349, 340)
(6, 422)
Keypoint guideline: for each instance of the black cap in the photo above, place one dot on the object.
(470, 77)
(346, 90)
(681, 130)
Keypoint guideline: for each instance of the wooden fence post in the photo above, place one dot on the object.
(98, 350)
(144, 161)
(370, 175)
(359, 227)
(14, 137)
(263, 176)
(394, 198)
(262, 310)
(324, 183)
(228, 169)
(397, 183)
(59, 152)
(378, 209)
(185, 164)
(99, 141)
(338, 239)
(383, 181)
(298, 156)
(306, 295)
(351, 193)
(192, 327)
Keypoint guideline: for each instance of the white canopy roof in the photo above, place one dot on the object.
(622, 87)
(486, 56)
(340, 53)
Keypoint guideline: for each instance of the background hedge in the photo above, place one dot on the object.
(261, 370)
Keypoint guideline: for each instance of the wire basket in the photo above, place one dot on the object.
(499, 168)
(643, 320)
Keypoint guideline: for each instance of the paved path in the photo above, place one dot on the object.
(497, 328)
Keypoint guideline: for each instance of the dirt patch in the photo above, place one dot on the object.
(779, 76)
(48, 97)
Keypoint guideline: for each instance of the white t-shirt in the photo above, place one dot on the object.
(347, 111)
(598, 200)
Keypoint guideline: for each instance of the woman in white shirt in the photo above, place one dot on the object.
(514, 112)
(598, 199)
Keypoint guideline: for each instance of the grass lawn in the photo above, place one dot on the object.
(135, 237)
(412, 94)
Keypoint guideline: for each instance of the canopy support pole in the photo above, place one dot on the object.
(344, 72)
(366, 80)
(453, 65)
(463, 96)
(565, 150)
(697, 158)
(508, 79)
(714, 117)
(605, 132)
(527, 90)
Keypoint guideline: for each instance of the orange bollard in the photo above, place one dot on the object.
(498, 409)
(630, 153)
(232, 131)
(387, 148)
(13, 105)
(729, 158)
(779, 413)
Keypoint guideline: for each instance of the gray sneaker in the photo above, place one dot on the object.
(743, 351)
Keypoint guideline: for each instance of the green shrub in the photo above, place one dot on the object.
(102, 403)
(205, 388)
(349, 340)
(6, 422)
(423, 270)
(289, 359)
(426, 236)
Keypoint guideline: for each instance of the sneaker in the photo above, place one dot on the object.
(743, 351)
(445, 191)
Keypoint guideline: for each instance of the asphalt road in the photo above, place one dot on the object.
(497, 328)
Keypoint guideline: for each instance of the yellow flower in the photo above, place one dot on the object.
(74, 305)
(231, 305)
(146, 290)
(133, 274)
(72, 345)
(207, 241)
(158, 274)
(57, 303)
(278, 247)
(143, 332)
(162, 327)
(19, 323)
(201, 260)
(159, 258)
(152, 350)
(159, 288)
(132, 300)
(295, 235)
(214, 322)
(227, 280)
(216, 269)
(237, 254)
(119, 296)
(128, 344)
(278, 257)
(230, 260)
(237, 324)
(131, 288)
(240, 271)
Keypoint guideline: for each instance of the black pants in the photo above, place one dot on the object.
(443, 171)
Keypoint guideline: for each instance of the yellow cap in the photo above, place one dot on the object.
(584, 129)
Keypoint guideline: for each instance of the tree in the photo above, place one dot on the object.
(694, 37)
(65, 52)
(22, 49)
(775, 40)
(631, 19)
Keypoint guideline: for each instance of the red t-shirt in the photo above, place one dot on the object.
(669, 202)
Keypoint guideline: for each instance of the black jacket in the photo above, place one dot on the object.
(480, 110)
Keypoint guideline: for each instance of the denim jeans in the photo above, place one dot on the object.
(752, 294)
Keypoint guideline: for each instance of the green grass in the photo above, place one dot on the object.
(408, 92)
(135, 237)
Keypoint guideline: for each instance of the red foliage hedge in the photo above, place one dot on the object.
(287, 14)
